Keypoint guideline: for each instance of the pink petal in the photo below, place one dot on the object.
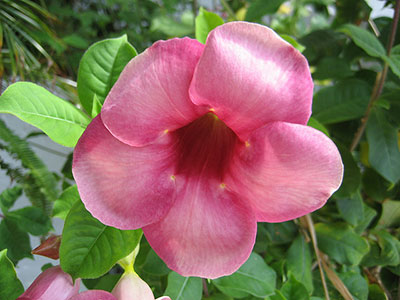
(207, 233)
(249, 76)
(94, 295)
(164, 298)
(123, 186)
(132, 287)
(151, 94)
(53, 283)
(286, 171)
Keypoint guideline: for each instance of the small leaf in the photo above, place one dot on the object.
(182, 288)
(299, 262)
(15, 240)
(346, 100)
(10, 286)
(294, 290)
(351, 208)
(205, 22)
(254, 277)
(59, 119)
(390, 216)
(63, 204)
(8, 197)
(31, 219)
(364, 39)
(89, 248)
(384, 154)
(341, 243)
(100, 68)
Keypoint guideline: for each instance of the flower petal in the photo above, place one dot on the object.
(132, 287)
(151, 94)
(286, 171)
(53, 283)
(123, 186)
(249, 76)
(208, 232)
(94, 295)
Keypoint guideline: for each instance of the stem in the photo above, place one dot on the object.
(229, 10)
(205, 288)
(379, 82)
(311, 229)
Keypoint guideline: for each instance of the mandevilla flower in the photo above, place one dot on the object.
(53, 283)
(197, 143)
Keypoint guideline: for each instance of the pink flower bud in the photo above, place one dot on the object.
(52, 284)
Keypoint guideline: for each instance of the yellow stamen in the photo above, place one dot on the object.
(247, 144)
(222, 185)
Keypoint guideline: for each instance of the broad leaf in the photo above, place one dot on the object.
(15, 240)
(332, 67)
(182, 288)
(352, 174)
(254, 277)
(347, 100)
(59, 119)
(385, 252)
(364, 39)
(356, 284)
(100, 68)
(63, 204)
(294, 290)
(89, 248)
(10, 286)
(31, 219)
(341, 243)
(205, 22)
(351, 208)
(390, 216)
(384, 154)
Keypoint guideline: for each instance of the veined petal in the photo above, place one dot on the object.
(207, 233)
(123, 186)
(94, 295)
(53, 283)
(286, 171)
(151, 95)
(249, 76)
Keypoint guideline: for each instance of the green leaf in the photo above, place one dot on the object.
(299, 262)
(59, 119)
(15, 240)
(376, 293)
(89, 248)
(31, 219)
(294, 290)
(369, 214)
(394, 60)
(64, 204)
(351, 208)
(364, 39)
(390, 216)
(105, 283)
(254, 277)
(8, 197)
(171, 27)
(292, 41)
(386, 252)
(260, 8)
(154, 264)
(280, 233)
(182, 288)
(314, 123)
(356, 284)
(10, 286)
(278, 296)
(96, 106)
(352, 174)
(341, 243)
(205, 22)
(332, 68)
(384, 154)
(100, 68)
(347, 100)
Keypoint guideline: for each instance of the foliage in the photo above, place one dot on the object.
(354, 239)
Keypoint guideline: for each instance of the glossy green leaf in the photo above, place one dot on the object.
(376, 293)
(59, 119)
(351, 208)
(15, 240)
(384, 154)
(10, 286)
(364, 39)
(254, 277)
(280, 233)
(96, 106)
(299, 262)
(89, 248)
(260, 8)
(352, 174)
(341, 243)
(294, 290)
(182, 288)
(346, 100)
(100, 68)
(63, 205)
(205, 22)
(390, 216)
(8, 197)
(31, 219)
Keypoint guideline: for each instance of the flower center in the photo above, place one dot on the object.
(205, 147)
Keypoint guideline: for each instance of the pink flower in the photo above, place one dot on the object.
(53, 283)
(94, 295)
(196, 144)
(132, 287)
